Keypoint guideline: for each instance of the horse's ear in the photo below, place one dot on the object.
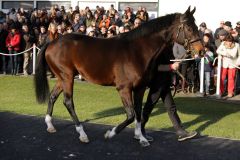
(187, 14)
(187, 11)
(193, 11)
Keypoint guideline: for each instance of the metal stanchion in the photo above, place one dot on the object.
(34, 58)
(202, 75)
(218, 75)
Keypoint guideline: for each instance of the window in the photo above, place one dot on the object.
(150, 6)
(17, 4)
(48, 5)
(92, 5)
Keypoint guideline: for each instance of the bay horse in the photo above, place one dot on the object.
(126, 61)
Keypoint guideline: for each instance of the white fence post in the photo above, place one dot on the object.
(218, 75)
(34, 58)
(202, 75)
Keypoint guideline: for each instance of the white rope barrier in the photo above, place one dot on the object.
(234, 66)
(34, 47)
(214, 61)
(38, 48)
(15, 54)
(181, 60)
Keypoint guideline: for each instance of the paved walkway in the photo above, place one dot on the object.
(25, 137)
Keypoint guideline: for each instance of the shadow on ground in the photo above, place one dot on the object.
(207, 111)
(25, 137)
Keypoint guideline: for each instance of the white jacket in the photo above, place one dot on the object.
(230, 55)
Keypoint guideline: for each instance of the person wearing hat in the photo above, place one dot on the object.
(228, 26)
(221, 36)
(91, 32)
(13, 44)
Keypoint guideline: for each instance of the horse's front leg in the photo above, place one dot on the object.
(152, 99)
(126, 96)
(68, 102)
(138, 98)
(53, 97)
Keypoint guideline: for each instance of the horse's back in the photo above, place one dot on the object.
(101, 61)
(95, 59)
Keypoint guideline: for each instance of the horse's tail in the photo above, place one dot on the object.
(40, 77)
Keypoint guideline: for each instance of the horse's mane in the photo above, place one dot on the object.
(149, 27)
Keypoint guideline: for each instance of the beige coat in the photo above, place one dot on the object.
(230, 55)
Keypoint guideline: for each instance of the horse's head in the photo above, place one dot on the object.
(187, 33)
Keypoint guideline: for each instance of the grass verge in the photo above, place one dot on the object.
(99, 104)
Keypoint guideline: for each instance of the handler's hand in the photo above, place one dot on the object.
(175, 66)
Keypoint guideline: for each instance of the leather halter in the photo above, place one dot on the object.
(187, 42)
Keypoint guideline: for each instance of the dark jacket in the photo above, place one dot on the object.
(3, 37)
(208, 60)
(27, 40)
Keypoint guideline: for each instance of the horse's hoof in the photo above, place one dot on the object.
(106, 135)
(51, 130)
(84, 139)
(144, 143)
(149, 138)
(137, 137)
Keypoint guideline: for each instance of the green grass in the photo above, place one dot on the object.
(102, 105)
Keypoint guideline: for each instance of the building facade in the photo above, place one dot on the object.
(151, 5)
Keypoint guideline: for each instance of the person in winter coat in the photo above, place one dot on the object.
(230, 52)
(3, 48)
(13, 44)
(28, 39)
(208, 68)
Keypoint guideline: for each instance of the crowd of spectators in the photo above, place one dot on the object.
(20, 29)
(225, 42)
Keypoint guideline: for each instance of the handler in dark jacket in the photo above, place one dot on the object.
(3, 48)
(160, 88)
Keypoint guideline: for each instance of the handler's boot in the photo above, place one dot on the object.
(184, 135)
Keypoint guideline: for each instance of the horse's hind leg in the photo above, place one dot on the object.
(126, 96)
(68, 102)
(53, 97)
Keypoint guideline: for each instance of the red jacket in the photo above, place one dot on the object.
(13, 41)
